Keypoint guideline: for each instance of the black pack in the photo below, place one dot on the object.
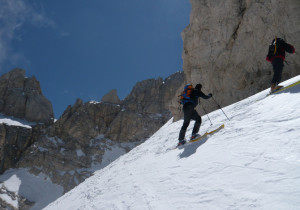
(274, 47)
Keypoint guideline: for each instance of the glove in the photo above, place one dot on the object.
(210, 95)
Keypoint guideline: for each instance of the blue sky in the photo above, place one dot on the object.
(83, 49)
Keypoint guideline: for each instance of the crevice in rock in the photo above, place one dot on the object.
(242, 7)
(241, 13)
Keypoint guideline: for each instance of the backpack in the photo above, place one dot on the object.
(186, 94)
(274, 47)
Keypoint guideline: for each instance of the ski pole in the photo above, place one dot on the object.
(220, 108)
(206, 114)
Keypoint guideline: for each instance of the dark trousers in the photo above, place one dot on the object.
(277, 69)
(189, 114)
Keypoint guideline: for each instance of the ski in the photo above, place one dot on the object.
(284, 88)
(274, 91)
(206, 134)
(202, 137)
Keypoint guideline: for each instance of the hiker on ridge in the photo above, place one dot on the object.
(276, 56)
(190, 101)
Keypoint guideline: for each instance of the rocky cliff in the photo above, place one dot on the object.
(226, 43)
(20, 97)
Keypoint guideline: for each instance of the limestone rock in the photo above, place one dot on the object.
(22, 97)
(111, 97)
(226, 43)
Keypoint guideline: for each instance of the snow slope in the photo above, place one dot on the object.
(253, 163)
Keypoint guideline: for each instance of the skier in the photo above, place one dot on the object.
(276, 56)
(189, 111)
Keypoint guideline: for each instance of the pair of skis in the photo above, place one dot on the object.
(203, 136)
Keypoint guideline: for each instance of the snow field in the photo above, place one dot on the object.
(253, 163)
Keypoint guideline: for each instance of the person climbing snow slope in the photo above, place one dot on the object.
(276, 56)
(189, 99)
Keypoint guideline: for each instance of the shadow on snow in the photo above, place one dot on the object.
(191, 148)
(294, 89)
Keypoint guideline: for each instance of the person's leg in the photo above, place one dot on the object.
(198, 121)
(187, 110)
(277, 69)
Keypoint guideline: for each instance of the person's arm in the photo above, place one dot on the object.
(289, 48)
(202, 95)
(269, 57)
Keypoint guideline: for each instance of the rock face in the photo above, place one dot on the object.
(14, 140)
(226, 43)
(22, 97)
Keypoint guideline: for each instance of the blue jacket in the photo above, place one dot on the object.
(194, 97)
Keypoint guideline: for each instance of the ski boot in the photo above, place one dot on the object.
(275, 87)
(181, 142)
(195, 136)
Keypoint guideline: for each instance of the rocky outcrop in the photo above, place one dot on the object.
(226, 43)
(22, 97)
(111, 97)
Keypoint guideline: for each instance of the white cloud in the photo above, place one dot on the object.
(13, 15)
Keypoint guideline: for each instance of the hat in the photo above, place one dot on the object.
(198, 86)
